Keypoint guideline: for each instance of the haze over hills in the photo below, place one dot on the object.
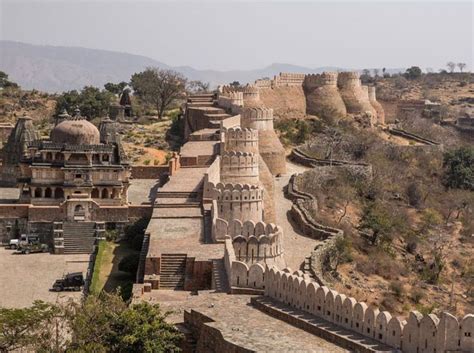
(54, 68)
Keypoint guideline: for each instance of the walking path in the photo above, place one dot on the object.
(296, 246)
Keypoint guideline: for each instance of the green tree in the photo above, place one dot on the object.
(377, 219)
(5, 82)
(159, 88)
(198, 87)
(115, 88)
(413, 73)
(91, 101)
(26, 327)
(459, 168)
(113, 326)
(129, 264)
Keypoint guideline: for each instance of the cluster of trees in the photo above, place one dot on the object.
(452, 66)
(5, 82)
(101, 324)
(153, 88)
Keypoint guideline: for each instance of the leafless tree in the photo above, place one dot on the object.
(461, 66)
(451, 66)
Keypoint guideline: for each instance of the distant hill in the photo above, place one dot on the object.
(55, 69)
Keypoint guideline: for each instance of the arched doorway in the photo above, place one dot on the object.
(48, 193)
(95, 193)
(78, 209)
(38, 192)
(58, 193)
(105, 194)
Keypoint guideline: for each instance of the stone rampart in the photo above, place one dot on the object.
(282, 79)
(250, 93)
(239, 167)
(376, 105)
(257, 118)
(236, 201)
(240, 139)
(240, 274)
(322, 96)
(417, 334)
(354, 96)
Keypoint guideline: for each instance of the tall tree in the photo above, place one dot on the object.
(91, 101)
(159, 88)
(115, 88)
(451, 66)
(461, 66)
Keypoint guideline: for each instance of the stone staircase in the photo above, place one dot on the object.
(177, 199)
(172, 273)
(79, 237)
(219, 276)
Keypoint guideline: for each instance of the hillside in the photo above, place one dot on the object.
(55, 69)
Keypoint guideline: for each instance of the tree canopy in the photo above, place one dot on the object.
(413, 72)
(158, 88)
(5, 82)
(459, 168)
(103, 323)
(91, 101)
(115, 88)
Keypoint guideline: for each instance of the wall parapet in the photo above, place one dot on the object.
(418, 333)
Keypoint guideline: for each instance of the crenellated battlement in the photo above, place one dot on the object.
(419, 333)
(348, 78)
(251, 93)
(234, 192)
(318, 80)
(240, 139)
(239, 167)
(258, 118)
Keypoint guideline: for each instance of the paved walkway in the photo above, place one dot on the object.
(296, 246)
(241, 323)
(26, 278)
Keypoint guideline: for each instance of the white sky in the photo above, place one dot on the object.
(246, 35)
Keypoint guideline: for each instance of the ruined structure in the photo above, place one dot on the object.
(376, 105)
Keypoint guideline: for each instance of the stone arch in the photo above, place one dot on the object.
(339, 308)
(381, 326)
(252, 250)
(467, 332)
(369, 321)
(448, 333)
(240, 248)
(358, 316)
(256, 276)
(59, 193)
(321, 293)
(239, 274)
(329, 310)
(105, 193)
(37, 193)
(347, 312)
(428, 333)
(394, 332)
(48, 193)
(311, 297)
(95, 193)
(410, 336)
(78, 209)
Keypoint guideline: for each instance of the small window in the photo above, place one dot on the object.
(357, 324)
(78, 176)
(380, 336)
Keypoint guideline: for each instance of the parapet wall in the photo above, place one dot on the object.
(239, 167)
(236, 201)
(240, 139)
(354, 96)
(322, 96)
(258, 118)
(418, 334)
(282, 79)
(251, 94)
(376, 105)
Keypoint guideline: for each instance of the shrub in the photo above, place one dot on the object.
(459, 168)
(417, 295)
(397, 289)
(146, 162)
(414, 195)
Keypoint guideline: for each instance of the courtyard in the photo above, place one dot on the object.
(26, 278)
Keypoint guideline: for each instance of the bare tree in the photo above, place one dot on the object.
(159, 88)
(461, 66)
(376, 72)
(451, 66)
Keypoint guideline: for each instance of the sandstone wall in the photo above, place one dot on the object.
(322, 96)
(376, 105)
(418, 334)
(286, 102)
(149, 172)
(239, 167)
(352, 93)
(240, 139)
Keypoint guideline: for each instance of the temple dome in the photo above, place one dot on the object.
(76, 131)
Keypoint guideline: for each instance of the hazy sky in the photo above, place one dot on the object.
(245, 35)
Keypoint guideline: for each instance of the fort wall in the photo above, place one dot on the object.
(239, 167)
(257, 118)
(149, 172)
(236, 201)
(240, 139)
(376, 105)
(354, 96)
(322, 96)
(419, 333)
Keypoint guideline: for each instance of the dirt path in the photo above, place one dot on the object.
(295, 246)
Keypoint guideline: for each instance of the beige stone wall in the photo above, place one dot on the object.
(418, 334)
(239, 167)
(376, 105)
(322, 96)
(352, 93)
